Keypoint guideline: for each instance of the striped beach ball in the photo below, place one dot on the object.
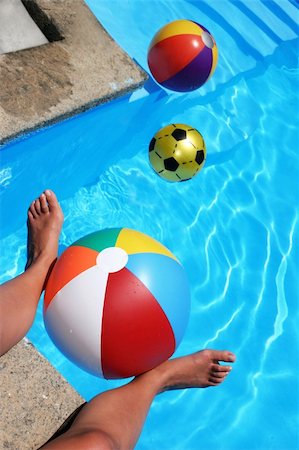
(117, 303)
(182, 56)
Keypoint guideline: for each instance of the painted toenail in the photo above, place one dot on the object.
(48, 192)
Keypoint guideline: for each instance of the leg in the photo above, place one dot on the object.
(20, 296)
(114, 419)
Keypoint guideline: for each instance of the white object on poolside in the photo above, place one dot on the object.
(17, 29)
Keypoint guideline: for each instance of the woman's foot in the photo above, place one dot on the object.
(201, 369)
(44, 223)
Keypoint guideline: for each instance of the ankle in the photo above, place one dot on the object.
(43, 261)
(157, 378)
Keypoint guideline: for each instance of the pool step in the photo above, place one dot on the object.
(250, 29)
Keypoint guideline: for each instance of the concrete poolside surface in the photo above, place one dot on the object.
(35, 399)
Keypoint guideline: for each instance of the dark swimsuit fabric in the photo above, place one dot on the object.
(65, 426)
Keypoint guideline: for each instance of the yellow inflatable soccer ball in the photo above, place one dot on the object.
(177, 152)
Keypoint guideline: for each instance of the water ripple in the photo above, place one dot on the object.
(215, 338)
(282, 307)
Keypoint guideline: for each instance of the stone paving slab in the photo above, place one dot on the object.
(42, 85)
(35, 399)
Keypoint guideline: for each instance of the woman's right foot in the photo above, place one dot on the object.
(45, 219)
(201, 369)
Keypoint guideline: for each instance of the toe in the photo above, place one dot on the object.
(37, 206)
(214, 381)
(32, 210)
(30, 215)
(218, 369)
(51, 199)
(43, 203)
(223, 356)
(219, 375)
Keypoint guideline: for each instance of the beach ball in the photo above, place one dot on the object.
(182, 56)
(117, 303)
(177, 152)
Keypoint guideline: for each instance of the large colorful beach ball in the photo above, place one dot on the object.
(182, 56)
(177, 152)
(117, 303)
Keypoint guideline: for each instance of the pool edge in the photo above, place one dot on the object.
(43, 85)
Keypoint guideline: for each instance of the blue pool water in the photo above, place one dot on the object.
(234, 227)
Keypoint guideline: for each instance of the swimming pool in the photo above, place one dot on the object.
(234, 227)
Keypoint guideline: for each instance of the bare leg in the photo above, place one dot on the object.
(19, 297)
(114, 419)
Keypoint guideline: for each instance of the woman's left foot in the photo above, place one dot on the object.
(45, 219)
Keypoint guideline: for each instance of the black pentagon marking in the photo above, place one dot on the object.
(152, 144)
(171, 164)
(200, 156)
(179, 134)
